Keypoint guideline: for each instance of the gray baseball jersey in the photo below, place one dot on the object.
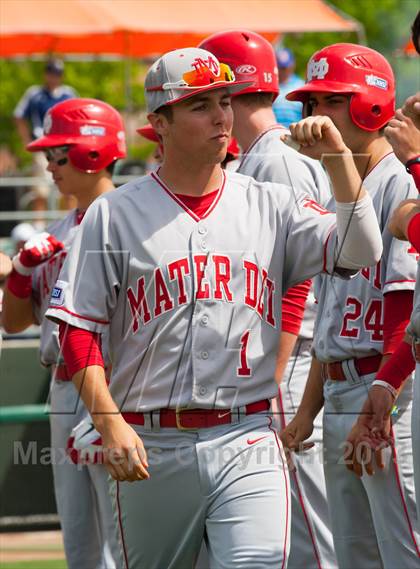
(180, 293)
(43, 281)
(268, 159)
(350, 317)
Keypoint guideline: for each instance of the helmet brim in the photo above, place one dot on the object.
(303, 92)
(148, 132)
(49, 141)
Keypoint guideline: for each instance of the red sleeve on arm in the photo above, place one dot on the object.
(398, 306)
(415, 172)
(80, 348)
(398, 367)
(293, 307)
(413, 231)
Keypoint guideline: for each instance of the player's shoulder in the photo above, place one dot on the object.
(60, 227)
(390, 175)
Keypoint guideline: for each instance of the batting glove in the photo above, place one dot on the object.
(35, 251)
(84, 445)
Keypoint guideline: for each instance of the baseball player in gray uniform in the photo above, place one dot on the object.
(268, 159)
(185, 268)
(372, 426)
(359, 322)
(82, 139)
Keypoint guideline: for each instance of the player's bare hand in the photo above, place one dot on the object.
(35, 251)
(317, 136)
(124, 454)
(294, 435)
(401, 217)
(404, 136)
(370, 434)
(411, 109)
(5, 266)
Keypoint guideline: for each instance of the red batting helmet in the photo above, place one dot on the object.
(356, 70)
(249, 55)
(93, 130)
(148, 132)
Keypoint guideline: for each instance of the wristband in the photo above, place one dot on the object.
(410, 162)
(19, 285)
(387, 386)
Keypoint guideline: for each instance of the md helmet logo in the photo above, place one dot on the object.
(374, 81)
(318, 69)
(246, 69)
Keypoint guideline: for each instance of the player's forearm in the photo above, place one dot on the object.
(91, 384)
(287, 343)
(345, 178)
(313, 396)
(359, 236)
(17, 314)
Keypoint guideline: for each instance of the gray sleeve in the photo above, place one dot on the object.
(86, 293)
(310, 242)
(399, 272)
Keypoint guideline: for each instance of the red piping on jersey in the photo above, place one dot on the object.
(283, 565)
(78, 315)
(155, 176)
(401, 281)
(397, 476)
(120, 525)
(301, 501)
(259, 137)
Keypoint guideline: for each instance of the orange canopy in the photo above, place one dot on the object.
(143, 28)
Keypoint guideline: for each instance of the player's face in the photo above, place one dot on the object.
(337, 107)
(201, 127)
(68, 179)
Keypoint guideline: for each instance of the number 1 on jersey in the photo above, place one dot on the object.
(244, 370)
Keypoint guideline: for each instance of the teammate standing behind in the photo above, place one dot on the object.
(267, 159)
(373, 518)
(82, 140)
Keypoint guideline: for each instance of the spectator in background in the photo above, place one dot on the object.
(29, 116)
(287, 111)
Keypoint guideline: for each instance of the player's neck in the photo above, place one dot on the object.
(251, 123)
(191, 181)
(369, 154)
(100, 185)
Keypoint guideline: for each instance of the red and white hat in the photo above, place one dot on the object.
(183, 73)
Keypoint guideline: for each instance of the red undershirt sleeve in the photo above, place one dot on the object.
(415, 172)
(413, 231)
(398, 306)
(80, 348)
(293, 307)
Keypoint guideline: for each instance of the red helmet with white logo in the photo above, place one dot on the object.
(250, 56)
(358, 71)
(93, 130)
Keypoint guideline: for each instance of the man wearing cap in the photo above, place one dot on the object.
(185, 268)
(287, 111)
(30, 111)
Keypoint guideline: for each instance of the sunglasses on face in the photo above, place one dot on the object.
(57, 155)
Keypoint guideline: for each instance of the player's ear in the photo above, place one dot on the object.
(159, 122)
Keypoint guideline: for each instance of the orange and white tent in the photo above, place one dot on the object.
(144, 28)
